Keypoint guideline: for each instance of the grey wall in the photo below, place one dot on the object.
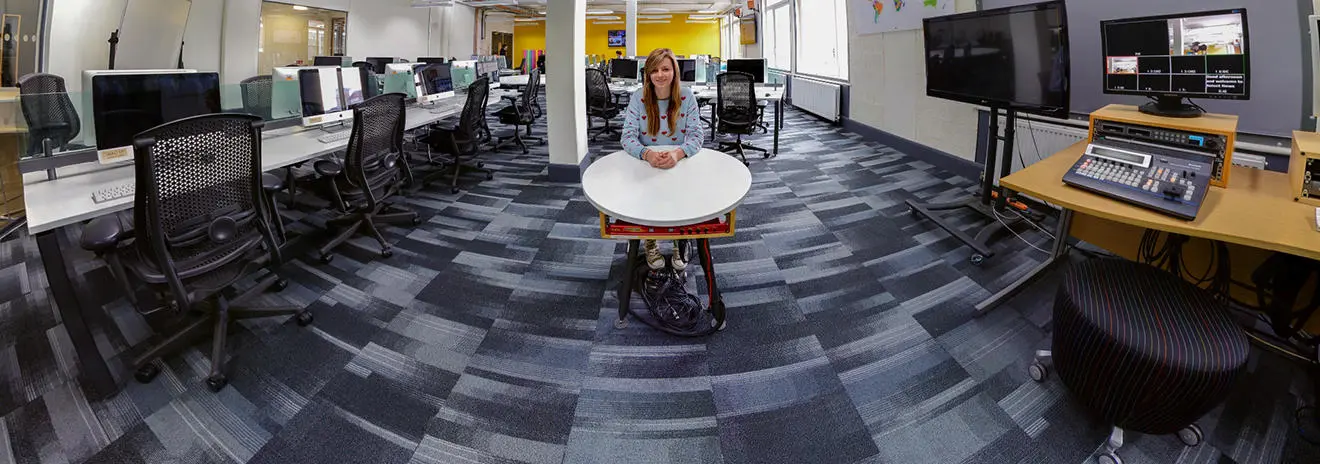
(1275, 44)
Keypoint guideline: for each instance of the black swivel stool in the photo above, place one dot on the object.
(1143, 349)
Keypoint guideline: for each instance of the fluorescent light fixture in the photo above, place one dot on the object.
(703, 17)
(709, 11)
(431, 3)
(695, 21)
(606, 17)
(528, 20)
(608, 22)
(654, 21)
(300, 8)
(655, 16)
(653, 10)
(599, 12)
(492, 2)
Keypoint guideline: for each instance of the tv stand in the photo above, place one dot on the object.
(988, 202)
(1171, 107)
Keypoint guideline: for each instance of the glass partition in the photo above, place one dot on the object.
(294, 35)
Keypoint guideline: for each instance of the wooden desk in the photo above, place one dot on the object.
(1255, 215)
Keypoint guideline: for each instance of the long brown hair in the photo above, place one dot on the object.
(653, 62)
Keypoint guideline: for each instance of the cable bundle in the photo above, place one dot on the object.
(669, 301)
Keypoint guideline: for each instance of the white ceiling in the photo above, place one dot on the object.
(618, 6)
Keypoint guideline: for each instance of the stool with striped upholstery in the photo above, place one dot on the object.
(1143, 349)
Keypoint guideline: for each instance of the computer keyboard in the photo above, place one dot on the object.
(113, 193)
(334, 137)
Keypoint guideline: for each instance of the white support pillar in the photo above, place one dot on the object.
(631, 19)
(566, 94)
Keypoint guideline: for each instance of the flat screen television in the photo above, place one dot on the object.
(1013, 58)
(618, 38)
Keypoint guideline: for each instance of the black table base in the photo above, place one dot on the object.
(712, 318)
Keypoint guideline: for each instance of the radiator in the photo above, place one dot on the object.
(817, 97)
(1036, 140)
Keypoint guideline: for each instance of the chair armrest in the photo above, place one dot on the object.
(105, 233)
(272, 183)
(328, 168)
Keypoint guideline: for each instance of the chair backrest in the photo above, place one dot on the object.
(257, 95)
(530, 94)
(736, 98)
(598, 89)
(197, 206)
(474, 109)
(47, 109)
(375, 147)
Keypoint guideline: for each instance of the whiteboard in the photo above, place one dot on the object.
(875, 16)
(151, 34)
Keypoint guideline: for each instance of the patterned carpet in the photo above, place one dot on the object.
(488, 337)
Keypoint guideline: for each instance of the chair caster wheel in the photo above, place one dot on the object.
(279, 285)
(1109, 458)
(1038, 371)
(216, 382)
(526, 151)
(490, 176)
(454, 191)
(621, 324)
(147, 373)
(327, 258)
(765, 155)
(1191, 435)
(417, 221)
(481, 165)
(304, 318)
(386, 253)
(977, 259)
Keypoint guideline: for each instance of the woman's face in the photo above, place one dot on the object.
(663, 74)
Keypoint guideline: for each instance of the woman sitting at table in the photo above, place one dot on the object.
(662, 126)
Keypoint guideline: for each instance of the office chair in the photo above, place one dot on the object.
(600, 102)
(736, 112)
(1143, 349)
(521, 112)
(257, 95)
(51, 119)
(370, 174)
(199, 225)
(463, 138)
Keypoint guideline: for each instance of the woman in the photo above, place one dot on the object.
(662, 126)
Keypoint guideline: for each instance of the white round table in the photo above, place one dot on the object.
(700, 188)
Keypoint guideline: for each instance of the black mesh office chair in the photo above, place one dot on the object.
(736, 111)
(371, 173)
(257, 95)
(199, 226)
(600, 102)
(520, 112)
(463, 138)
(48, 111)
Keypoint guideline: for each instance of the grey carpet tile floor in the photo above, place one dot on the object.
(488, 337)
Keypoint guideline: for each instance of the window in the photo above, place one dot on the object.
(726, 45)
(735, 38)
(822, 33)
(294, 36)
(778, 36)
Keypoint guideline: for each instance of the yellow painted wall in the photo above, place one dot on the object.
(683, 38)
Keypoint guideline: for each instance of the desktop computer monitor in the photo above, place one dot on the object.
(322, 96)
(753, 66)
(437, 82)
(503, 61)
(623, 68)
(125, 104)
(687, 70)
(400, 78)
(84, 109)
(378, 64)
(330, 61)
(352, 85)
(431, 60)
(464, 73)
(1173, 57)
(285, 95)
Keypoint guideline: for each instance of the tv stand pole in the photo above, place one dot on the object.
(985, 203)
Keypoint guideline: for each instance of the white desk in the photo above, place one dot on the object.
(700, 188)
(67, 200)
(519, 80)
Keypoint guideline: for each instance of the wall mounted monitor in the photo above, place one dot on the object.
(753, 66)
